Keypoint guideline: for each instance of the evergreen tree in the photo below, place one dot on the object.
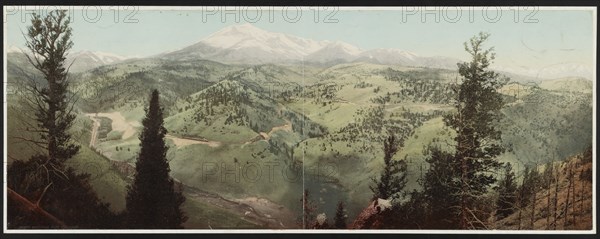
(340, 216)
(522, 196)
(44, 179)
(507, 189)
(532, 185)
(415, 212)
(440, 190)
(531, 178)
(72, 200)
(49, 40)
(392, 180)
(152, 199)
(478, 104)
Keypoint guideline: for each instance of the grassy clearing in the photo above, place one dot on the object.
(333, 116)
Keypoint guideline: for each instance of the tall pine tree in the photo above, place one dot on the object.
(440, 186)
(455, 182)
(478, 106)
(49, 40)
(392, 180)
(152, 199)
(340, 216)
(45, 180)
(529, 187)
(507, 193)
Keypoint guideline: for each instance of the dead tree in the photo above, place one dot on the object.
(582, 193)
(548, 196)
(573, 195)
(25, 205)
(566, 211)
(522, 199)
(556, 196)
(521, 204)
(534, 186)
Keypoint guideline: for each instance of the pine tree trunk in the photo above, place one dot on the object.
(567, 204)
(533, 208)
(520, 206)
(51, 118)
(581, 195)
(556, 199)
(573, 199)
(463, 201)
(548, 195)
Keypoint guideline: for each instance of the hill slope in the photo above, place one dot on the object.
(562, 204)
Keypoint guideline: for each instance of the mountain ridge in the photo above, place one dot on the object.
(248, 44)
(79, 61)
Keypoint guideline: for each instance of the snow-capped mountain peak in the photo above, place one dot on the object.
(97, 56)
(392, 56)
(345, 47)
(252, 45)
(85, 60)
(79, 60)
(392, 51)
(253, 40)
(233, 35)
(335, 51)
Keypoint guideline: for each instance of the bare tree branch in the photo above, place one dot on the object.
(27, 205)
(42, 195)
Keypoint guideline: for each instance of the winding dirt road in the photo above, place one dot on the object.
(119, 123)
(258, 211)
(94, 132)
(181, 142)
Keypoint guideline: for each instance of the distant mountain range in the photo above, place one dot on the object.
(561, 70)
(82, 60)
(247, 44)
(85, 60)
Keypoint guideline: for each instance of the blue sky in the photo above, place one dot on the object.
(522, 37)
